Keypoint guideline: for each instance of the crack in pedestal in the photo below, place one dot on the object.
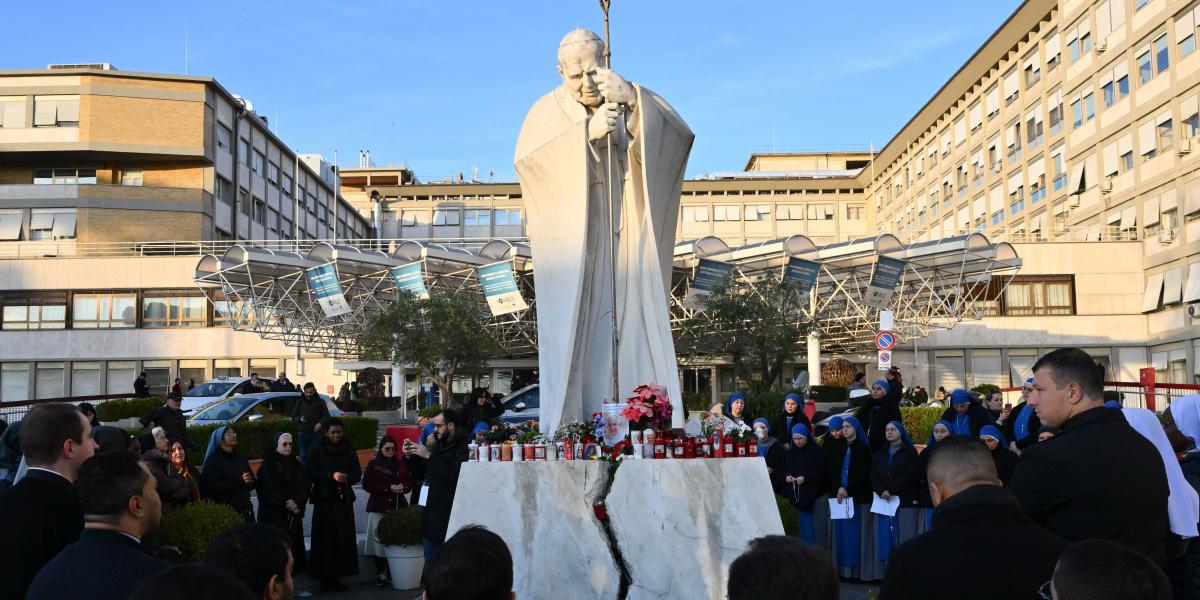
(600, 511)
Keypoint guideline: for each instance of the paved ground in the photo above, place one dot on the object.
(849, 592)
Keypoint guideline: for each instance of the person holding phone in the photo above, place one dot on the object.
(442, 456)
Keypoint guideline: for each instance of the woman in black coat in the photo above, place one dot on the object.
(849, 470)
(481, 408)
(1005, 459)
(966, 416)
(896, 472)
(792, 415)
(877, 413)
(225, 477)
(332, 467)
(282, 493)
(804, 477)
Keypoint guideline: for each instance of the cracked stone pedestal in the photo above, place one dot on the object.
(543, 511)
(679, 523)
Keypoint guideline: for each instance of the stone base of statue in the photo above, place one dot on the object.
(678, 523)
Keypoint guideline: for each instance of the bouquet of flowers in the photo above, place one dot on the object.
(499, 433)
(584, 431)
(649, 402)
(710, 423)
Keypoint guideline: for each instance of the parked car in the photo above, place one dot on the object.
(214, 390)
(252, 407)
(521, 405)
(822, 424)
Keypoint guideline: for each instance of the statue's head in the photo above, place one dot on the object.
(580, 55)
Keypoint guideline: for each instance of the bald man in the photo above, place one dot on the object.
(981, 546)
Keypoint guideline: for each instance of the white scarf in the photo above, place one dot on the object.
(1183, 505)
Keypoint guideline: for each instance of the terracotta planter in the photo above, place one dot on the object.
(364, 457)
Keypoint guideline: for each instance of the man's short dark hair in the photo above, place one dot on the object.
(780, 566)
(450, 415)
(334, 421)
(193, 581)
(253, 553)
(309, 386)
(1072, 365)
(46, 427)
(474, 564)
(1103, 570)
(107, 482)
(958, 459)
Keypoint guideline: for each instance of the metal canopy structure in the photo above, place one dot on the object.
(265, 290)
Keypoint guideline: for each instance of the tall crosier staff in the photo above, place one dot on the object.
(613, 230)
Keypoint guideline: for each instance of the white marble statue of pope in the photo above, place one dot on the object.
(561, 162)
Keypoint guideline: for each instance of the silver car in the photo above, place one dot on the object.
(253, 407)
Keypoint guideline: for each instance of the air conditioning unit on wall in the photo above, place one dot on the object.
(1106, 185)
(1193, 310)
(1185, 147)
(1166, 236)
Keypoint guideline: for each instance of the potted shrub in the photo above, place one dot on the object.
(190, 528)
(397, 531)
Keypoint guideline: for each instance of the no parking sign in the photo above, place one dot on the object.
(885, 360)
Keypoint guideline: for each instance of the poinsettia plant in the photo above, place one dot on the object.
(649, 404)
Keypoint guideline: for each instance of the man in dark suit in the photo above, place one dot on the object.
(1098, 478)
(42, 509)
(117, 493)
(980, 546)
(170, 418)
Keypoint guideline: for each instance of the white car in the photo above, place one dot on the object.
(215, 390)
(522, 405)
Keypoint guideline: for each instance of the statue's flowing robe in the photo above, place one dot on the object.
(563, 185)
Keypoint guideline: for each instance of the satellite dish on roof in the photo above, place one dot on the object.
(245, 102)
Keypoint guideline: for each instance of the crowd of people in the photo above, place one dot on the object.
(998, 496)
(1059, 497)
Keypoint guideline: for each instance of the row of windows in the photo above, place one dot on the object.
(48, 111)
(453, 217)
(112, 310)
(1029, 296)
(82, 176)
(762, 212)
(39, 224)
(1150, 58)
(21, 381)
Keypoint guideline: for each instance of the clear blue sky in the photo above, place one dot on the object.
(443, 85)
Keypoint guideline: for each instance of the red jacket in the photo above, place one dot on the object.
(378, 479)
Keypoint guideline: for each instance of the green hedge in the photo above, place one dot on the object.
(919, 420)
(115, 410)
(764, 405)
(192, 527)
(363, 432)
(254, 437)
(787, 514)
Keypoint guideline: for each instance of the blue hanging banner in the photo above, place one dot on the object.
(411, 278)
(884, 280)
(709, 275)
(324, 284)
(500, 288)
(802, 273)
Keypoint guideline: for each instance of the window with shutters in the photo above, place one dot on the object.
(1056, 111)
(12, 112)
(1013, 141)
(1185, 31)
(1038, 296)
(224, 135)
(1114, 83)
(1053, 51)
(1079, 40)
(1059, 169)
(1033, 69)
(56, 111)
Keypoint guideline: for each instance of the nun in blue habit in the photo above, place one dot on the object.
(804, 479)
(939, 432)
(849, 468)
(823, 534)
(896, 473)
(965, 415)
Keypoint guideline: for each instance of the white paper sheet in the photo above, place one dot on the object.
(424, 495)
(887, 508)
(845, 510)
